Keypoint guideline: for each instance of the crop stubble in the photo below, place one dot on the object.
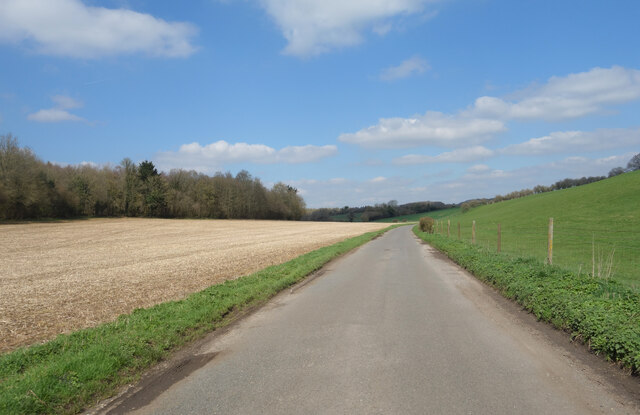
(60, 277)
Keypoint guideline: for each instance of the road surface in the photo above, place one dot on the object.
(393, 328)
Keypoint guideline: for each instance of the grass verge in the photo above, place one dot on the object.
(602, 313)
(75, 371)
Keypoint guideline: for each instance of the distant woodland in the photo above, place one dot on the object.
(373, 213)
(33, 189)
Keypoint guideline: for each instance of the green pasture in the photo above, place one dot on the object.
(596, 226)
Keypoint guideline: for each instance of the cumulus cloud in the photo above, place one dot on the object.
(66, 102)
(561, 98)
(214, 156)
(312, 27)
(59, 112)
(53, 115)
(72, 29)
(432, 129)
(576, 141)
(463, 155)
(413, 66)
(568, 97)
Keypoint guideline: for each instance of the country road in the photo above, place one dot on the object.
(393, 328)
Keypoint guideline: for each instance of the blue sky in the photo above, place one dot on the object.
(352, 102)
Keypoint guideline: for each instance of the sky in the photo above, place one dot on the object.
(352, 102)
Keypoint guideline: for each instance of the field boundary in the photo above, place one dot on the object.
(75, 371)
(603, 314)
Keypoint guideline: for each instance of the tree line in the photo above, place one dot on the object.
(33, 189)
(373, 212)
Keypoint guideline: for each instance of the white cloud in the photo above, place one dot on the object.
(431, 129)
(59, 112)
(561, 98)
(66, 102)
(463, 155)
(409, 67)
(53, 115)
(70, 28)
(214, 156)
(478, 168)
(312, 27)
(577, 141)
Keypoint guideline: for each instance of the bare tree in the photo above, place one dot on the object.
(616, 171)
(634, 163)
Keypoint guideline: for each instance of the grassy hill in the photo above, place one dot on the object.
(598, 221)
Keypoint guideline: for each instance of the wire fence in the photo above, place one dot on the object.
(603, 251)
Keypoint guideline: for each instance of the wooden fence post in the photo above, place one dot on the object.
(448, 228)
(550, 243)
(499, 239)
(473, 232)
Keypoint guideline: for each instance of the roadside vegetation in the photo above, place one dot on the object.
(33, 189)
(74, 371)
(596, 227)
(602, 313)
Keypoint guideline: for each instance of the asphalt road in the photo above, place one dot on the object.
(392, 328)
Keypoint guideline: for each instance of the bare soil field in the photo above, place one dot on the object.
(63, 276)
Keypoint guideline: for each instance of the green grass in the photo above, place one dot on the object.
(602, 313)
(74, 371)
(435, 214)
(603, 217)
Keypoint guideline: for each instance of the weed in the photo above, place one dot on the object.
(426, 224)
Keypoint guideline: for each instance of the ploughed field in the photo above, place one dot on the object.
(63, 276)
